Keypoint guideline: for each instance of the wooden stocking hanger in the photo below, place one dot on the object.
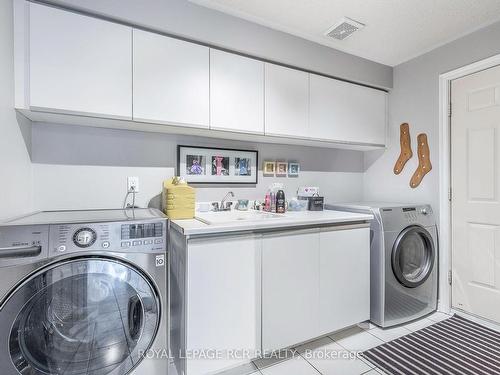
(424, 161)
(406, 153)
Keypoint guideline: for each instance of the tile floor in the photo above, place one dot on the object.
(336, 354)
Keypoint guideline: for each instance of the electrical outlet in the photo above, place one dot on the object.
(133, 184)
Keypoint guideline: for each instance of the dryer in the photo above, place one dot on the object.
(403, 261)
(84, 292)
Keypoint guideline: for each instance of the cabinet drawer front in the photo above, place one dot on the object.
(171, 80)
(289, 289)
(223, 299)
(344, 278)
(79, 64)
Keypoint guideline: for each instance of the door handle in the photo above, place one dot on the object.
(20, 251)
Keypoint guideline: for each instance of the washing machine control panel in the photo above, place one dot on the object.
(143, 236)
(85, 237)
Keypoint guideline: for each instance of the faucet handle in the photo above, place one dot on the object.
(215, 206)
(227, 206)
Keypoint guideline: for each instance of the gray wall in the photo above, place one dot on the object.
(188, 20)
(15, 168)
(82, 167)
(415, 99)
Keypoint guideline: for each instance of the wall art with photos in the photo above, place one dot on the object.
(208, 165)
(293, 169)
(272, 168)
(281, 168)
(269, 168)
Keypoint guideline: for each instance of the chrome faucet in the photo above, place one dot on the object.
(223, 206)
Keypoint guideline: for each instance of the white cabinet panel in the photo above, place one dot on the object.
(290, 288)
(287, 101)
(79, 64)
(171, 80)
(223, 299)
(236, 93)
(344, 278)
(346, 112)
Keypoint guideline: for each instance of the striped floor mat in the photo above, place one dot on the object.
(453, 346)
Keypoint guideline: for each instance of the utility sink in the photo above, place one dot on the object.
(222, 217)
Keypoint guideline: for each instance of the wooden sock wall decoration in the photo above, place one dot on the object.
(424, 161)
(406, 153)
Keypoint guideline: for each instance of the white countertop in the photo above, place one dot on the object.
(192, 227)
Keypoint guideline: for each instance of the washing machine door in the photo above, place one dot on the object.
(413, 256)
(92, 316)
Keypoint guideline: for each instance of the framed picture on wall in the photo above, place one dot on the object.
(293, 169)
(269, 168)
(281, 168)
(211, 165)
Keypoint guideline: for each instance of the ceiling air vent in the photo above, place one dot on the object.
(343, 29)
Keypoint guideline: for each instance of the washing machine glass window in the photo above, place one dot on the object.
(413, 256)
(85, 316)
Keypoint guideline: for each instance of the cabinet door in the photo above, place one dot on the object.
(223, 298)
(79, 64)
(290, 288)
(346, 112)
(171, 80)
(344, 278)
(287, 101)
(236, 93)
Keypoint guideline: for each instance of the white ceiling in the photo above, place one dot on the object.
(396, 30)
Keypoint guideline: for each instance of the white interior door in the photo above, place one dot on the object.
(475, 126)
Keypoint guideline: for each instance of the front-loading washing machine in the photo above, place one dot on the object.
(403, 261)
(84, 292)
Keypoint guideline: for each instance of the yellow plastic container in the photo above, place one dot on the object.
(179, 199)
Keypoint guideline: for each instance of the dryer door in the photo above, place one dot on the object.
(83, 316)
(413, 256)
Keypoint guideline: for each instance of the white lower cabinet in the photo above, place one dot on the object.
(269, 291)
(314, 282)
(344, 278)
(290, 293)
(223, 300)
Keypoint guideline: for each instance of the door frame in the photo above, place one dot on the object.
(445, 224)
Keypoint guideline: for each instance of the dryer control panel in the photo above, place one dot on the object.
(416, 214)
(139, 236)
(397, 218)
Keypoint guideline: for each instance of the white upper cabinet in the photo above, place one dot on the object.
(68, 64)
(341, 111)
(79, 64)
(171, 80)
(236, 93)
(287, 101)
